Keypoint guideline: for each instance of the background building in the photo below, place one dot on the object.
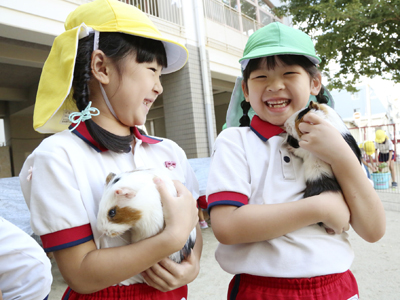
(192, 109)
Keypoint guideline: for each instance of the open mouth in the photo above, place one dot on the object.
(277, 103)
(148, 102)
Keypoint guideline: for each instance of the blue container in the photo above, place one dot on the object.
(381, 180)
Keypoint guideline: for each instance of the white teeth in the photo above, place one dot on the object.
(277, 104)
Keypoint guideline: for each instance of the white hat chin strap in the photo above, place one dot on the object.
(103, 92)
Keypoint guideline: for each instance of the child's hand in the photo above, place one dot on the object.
(336, 213)
(322, 139)
(167, 275)
(180, 213)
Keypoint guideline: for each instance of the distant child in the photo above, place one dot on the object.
(367, 150)
(103, 75)
(268, 233)
(385, 153)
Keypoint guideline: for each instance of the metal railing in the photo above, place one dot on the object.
(169, 10)
(221, 13)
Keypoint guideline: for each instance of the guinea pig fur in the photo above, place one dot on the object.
(132, 202)
(318, 174)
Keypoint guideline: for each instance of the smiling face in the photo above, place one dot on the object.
(136, 89)
(276, 92)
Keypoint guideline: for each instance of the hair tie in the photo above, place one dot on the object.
(82, 116)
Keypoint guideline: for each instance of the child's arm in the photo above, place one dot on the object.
(168, 275)
(254, 223)
(376, 157)
(87, 269)
(323, 140)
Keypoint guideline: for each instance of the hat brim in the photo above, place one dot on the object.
(177, 54)
(271, 51)
(380, 140)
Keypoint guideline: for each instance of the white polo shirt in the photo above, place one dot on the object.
(63, 180)
(25, 270)
(385, 147)
(252, 165)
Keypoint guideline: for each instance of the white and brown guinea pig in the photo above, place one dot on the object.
(318, 174)
(132, 202)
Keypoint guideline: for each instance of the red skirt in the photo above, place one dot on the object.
(341, 286)
(139, 291)
(202, 202)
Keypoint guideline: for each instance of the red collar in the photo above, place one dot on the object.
(264, 130)
(82, 132)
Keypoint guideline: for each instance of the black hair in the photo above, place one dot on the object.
(245, 119)
(115, 46)
(289, 60)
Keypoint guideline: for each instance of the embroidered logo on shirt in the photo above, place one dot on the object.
(170, 165)
(355, 297)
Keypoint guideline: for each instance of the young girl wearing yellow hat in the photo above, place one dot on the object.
(103, 75)
(385, 152)
(268, 233)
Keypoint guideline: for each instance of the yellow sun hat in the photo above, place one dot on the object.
(54, 100)
(369, 147)
(380, 136)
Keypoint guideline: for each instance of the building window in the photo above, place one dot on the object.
(231, 3)
(264, 6)
(265, 19)
(248, 9)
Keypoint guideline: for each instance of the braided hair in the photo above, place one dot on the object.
(116, 46)
(245, 119)
(271, 62)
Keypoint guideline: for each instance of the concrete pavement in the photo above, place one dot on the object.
(376, 266)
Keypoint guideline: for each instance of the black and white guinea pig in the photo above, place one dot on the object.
(318, 174)
(132, 202)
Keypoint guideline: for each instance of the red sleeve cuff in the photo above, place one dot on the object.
(67, 238)
(227, 198)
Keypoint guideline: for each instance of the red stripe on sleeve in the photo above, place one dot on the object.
(66, 236)
(228, 196)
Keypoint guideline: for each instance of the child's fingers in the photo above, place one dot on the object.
(312, 118)
(181, 190)
(162, 189)
(154, 280)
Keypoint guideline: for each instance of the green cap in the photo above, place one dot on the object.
(278, 39)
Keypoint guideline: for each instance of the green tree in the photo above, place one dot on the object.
(362, 36)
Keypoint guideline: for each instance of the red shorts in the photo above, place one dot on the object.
(341, 286)
(202, 202)
(139, 291)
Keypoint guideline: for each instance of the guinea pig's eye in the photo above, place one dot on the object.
(112, 212)
(116, 180)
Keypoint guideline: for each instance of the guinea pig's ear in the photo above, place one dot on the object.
(110, 176)
(313, 105)
(125, 194)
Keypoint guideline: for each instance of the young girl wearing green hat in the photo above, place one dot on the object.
(103, 75)
(268, 233)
